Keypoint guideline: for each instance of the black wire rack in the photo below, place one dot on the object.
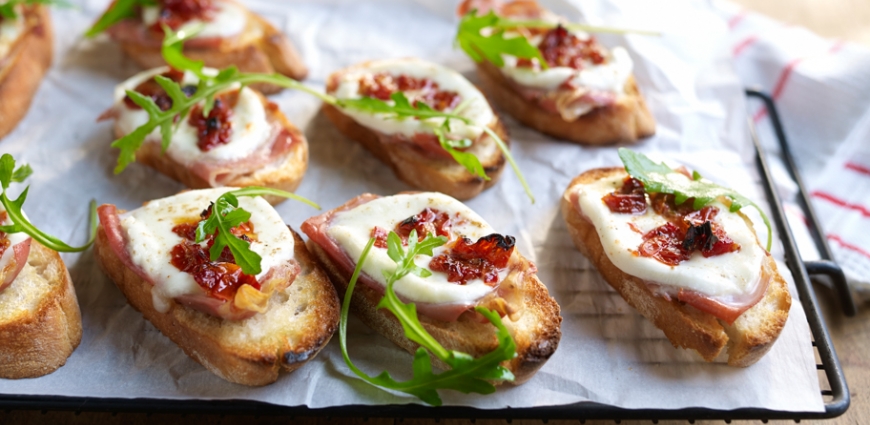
(835, 393)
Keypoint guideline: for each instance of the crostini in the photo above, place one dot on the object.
(695, 269)
(552, 77)
(228, 34)
(243, 325)
(244, 140)
(411, 146)
(40, 321)
(25, 55)
(475, 268)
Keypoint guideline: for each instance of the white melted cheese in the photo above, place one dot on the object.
(229, 19)
(14, 239)
(352, 229)
(726, 275)
(475, 107)
(10, 30)
(250, 127)
(150, 239)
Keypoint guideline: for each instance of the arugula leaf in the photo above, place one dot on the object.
(117, 12)
(465, 159)
(491, 47)
(20, 223)
(466, 373)
(225, 215)
(659, 178)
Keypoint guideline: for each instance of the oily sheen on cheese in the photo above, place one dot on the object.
(475, 108)
(150, 239)
(732, 275)
(250, 128)
(352, 229)
(228, 20)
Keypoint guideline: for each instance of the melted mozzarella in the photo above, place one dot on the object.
(609, 76)
(352, 229)
(150, 239)
(475, 108)
(230, 19)
(10, 30)
(250, 126)
(726, 275)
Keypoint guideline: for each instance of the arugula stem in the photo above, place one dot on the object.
(507, 154)
(22, 225)
(259, 191)
(427, 340)
(538, 23)
(345, 307)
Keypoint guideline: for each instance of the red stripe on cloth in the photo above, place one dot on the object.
(849, 246)
(797, 213)
(841, 203)
(858, 167)
(786, 73)
(737, 18)
(741, 46)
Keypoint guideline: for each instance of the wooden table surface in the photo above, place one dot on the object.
(845, 19)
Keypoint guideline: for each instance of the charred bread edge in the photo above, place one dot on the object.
(234, 364)
(286, 177)
(271, 52)
(24, 72)
(438, 175)
(533, 348)
(38, 343)
(684, 325)
(626, 121)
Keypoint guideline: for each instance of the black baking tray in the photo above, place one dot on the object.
(835, 393)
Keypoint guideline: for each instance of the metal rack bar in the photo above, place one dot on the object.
(827, 266)
(839, 393)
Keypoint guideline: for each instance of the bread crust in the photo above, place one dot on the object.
(207, 339)
(38, 342)
(437, 175)
(626, 121)
(260, 48)
(536, 332)
(747, 339)
(284, 176)
(29, 59)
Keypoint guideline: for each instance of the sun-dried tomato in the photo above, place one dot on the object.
(383, 85)
(628, 199)
(561, 48)
(426, 222)
(675, 241)
(467, 260)
(216, 129)
(175, 13)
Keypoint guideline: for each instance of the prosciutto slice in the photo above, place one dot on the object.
(218, 173)
(12, 261)
(528, 9)
(276, 279)
(316, 228)
(133, 31)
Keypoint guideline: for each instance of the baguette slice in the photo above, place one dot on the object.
(427, 174)
(259, 48)
(536, 330)
(22, 69)
(297, 325)
(40, 322)
(626, 121)
(285, 174)
(747, 339)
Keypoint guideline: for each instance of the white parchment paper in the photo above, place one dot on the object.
(608, 353)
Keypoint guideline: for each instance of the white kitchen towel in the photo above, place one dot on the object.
(822, 92)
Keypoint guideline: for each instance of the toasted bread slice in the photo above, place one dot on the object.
(40, 322)
(22, 69)
(537, 330)
(626, 121)
(428, 174)
(747, 339)
(285, 174)
(298, 323)
(259, 48)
